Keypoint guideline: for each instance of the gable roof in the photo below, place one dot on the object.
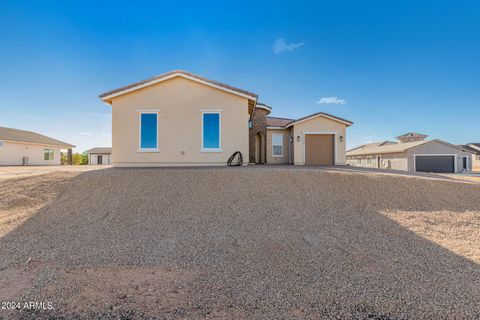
(287, 123)
(107, 96)
(17, 135)
(397, 147)
(103, 150)
(320, 114)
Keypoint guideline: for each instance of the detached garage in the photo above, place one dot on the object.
(412, 153)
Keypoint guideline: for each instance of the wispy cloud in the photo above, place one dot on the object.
(281, 45)
(332, 100)
(86, 133)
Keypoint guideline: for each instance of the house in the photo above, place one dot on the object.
(412, 153)
(99, 156)
(182, 119)
(21, 147)
(475, 149)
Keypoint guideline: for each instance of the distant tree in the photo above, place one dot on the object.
(80, 158)
(63, 158)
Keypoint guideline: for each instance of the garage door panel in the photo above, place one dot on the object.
(437, 164)
(319, 149)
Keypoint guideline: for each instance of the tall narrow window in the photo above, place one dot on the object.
(148, 131)
(211, 131)
(277, 145)
(47, 154)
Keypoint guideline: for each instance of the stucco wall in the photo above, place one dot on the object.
(93, 159)
(180, 103)
(394, 161)
(435, 147)
(319, 124)
(12, 153)
(286, 147)
(476, 163)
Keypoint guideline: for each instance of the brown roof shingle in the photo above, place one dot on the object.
(278, 122)
(10, 134)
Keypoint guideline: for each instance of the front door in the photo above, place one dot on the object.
(465, 163)
(99, 160)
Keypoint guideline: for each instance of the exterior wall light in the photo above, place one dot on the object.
(250, 124)
(341, 138)
(299, 138)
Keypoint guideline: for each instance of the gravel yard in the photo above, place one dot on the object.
(234, 243)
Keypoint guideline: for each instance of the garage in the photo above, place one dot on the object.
(435, 163)
(320, 149)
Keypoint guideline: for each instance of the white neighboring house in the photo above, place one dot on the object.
(99, 156)
(21, 147)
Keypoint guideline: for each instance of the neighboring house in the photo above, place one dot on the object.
(20, 147)
(475, 149)
(99, 156)
(412, 153)
(179, 118)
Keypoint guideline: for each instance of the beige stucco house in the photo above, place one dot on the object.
(412, 153)
(99, 156)
(182, 119)
(21, 147)
(475, 149)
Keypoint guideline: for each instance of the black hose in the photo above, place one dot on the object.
(232, 157)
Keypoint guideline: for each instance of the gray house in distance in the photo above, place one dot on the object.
(100, 156)
(412, 153)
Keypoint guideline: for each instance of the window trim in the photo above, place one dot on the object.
(147, 111)
(276, 155)
(53, 154)
(214, 150)
(359, 160)
(369, 160)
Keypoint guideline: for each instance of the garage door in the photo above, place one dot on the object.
(439, 164)
(319, 149)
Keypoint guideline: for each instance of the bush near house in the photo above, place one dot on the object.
(77, 158)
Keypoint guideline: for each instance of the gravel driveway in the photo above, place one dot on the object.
(233, 243)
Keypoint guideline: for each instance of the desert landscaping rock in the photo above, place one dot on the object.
(234, 243)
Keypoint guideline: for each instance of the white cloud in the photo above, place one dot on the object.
(281, 45)
(332, 100)
(86, 133)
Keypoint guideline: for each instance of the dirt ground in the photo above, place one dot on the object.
(238, 243)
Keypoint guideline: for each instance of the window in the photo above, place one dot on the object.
(47, 154)
(369, 160)
(148, 131)
(478, 156)
(359, 160)
(277, 145)
(211, 131)
(1, 143)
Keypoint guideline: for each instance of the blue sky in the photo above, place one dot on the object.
(393, 66)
